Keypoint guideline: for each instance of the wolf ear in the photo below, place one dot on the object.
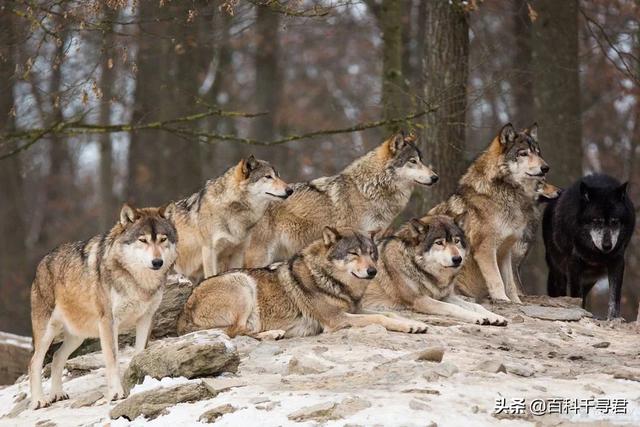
(375, 234)
(622, 190)
(532, 131)
(417, 227)
(507, 134)
(249, 164)
(584, 191)
(127, 215)
(397, 142)
(412, 137)
(330, 235)
(167, 211)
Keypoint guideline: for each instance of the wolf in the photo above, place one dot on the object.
(213, 223)
(96, 288)
(540, 192)
(416, 270)
(488, 204)
(319, 289)
(367, 195)
(586, 232)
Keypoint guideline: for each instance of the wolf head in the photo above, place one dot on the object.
(405, 160)
(148, 237)
(520, 153)
(261, 179)
(603, 214)
(437, 242)
(350, 254)
(540, 190)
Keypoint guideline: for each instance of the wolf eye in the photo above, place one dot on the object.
(163, 239)
(413, 160)
(142, 239)
(615, 221)
(439, 242)
(269, 177)
(456, 240)
(354, 254)
(523, 153)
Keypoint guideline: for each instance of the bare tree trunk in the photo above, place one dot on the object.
(267, 73)
(13, 253)
(107, 199)
(521, 80)
(446, 56)
(393, 84)
(556, 88)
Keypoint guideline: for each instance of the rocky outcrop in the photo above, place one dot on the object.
(153, 403)
(198, 354)
(15, 352)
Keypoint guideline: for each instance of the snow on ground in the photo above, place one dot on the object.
(378, 370)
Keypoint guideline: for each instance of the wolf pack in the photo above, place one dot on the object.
(274, 260)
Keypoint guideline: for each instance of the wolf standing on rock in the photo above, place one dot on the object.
(586, 232)
(367, 195)
(95, 288)
(213, 223)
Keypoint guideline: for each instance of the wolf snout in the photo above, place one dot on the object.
(544, 168)
(156, 263)
(371, 272)
(456, 260)
(607, 246)
(434, 178)
(288, 191)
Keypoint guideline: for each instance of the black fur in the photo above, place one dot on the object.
(575, 263)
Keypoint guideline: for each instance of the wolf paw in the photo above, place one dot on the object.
(417, 328)
(498, 321)
(39, 404)
(57, 397)
(276, 334)
(116, 394)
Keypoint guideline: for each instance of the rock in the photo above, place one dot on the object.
(492, 366)
(87, 399)
(572, 314)
(219, 385)
(266, 348)
(306, 365)
(198, 354)
(603, 344)
(517, 319)
(20, 397)
(626, 374)
(520, 370)
(432, 354)
(46, 423)
(213, 414)
(321, 411)
(330, 410)
(416, 405)
(17, 409)
(15, 353)
(594, 389)
(153, 403)
(446, 369)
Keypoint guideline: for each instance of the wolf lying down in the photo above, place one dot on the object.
(319, 289)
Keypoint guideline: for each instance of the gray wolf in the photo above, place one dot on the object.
(367, 195)
(488, 205)
(319, 289)
(586, 232)
(416, 270)
(213, 223)
(541, 192)
(96, 288)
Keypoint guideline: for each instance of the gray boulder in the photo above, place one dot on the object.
(198, 354)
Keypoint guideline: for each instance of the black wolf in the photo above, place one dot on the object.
(586, 231)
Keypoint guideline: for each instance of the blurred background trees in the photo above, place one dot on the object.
(107, 101)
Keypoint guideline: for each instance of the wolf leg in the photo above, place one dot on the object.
(209, 264)
(143, 326)
(69, 345)
(486, 258)
(616, 275)
(273, 334)
(41, 344)
(108, 330)
(494, 319)
(391, 324)
(506, 271)
(429, 305)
